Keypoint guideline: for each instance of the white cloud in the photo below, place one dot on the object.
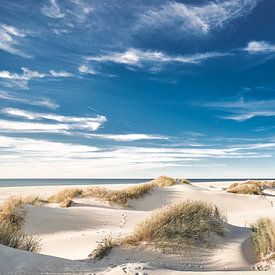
(137, 57)
(43, 102)
(128, 137)
(86, 70)
(249, 115)
(68, 122)
(242, 110)
(51, 9)
(35, 157)
(22, 80)
(197, 19)
(60, 74)
(9, 40)
(15, 126)
(258, 47)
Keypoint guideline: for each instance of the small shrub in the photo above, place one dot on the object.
(68, 193)
(190, 223)
(103, 249)
(263, 238)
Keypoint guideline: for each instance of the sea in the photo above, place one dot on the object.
(93, 181)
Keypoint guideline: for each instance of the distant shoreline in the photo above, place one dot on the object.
(101, 181)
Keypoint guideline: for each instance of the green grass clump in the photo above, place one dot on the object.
(263, 238)
(189, 223)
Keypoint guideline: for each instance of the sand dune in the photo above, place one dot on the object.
(72, 233)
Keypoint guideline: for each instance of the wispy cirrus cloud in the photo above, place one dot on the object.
(61, 122)
(242, 110)
(192, 19)
(260, 47)
(36, 101)
(10, 40)
(22, 80)
(86, 70)
(127, 137)
(139, 57)
(63, 159)
(52, 9)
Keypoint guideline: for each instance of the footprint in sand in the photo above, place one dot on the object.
(123, 221)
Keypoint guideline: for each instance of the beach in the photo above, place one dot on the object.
(69, 235)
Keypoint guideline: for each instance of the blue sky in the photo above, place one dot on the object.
(137, 89)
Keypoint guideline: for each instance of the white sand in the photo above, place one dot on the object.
(72, 233)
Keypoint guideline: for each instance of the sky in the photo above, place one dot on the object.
(133, 89)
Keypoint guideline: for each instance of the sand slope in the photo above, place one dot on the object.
(72, 233)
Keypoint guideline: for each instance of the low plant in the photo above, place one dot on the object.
(189, 223)
(248, 188)
(263, 238)
(68, 193)
(103, 249)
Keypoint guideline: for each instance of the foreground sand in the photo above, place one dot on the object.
(68, 235)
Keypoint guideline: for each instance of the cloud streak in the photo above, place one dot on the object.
(10, 40)
(139, 57)
(196, 19)
(43, 102)
(260, 47)
(62, 123)
(22, 80)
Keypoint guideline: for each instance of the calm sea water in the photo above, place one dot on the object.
(45, 182)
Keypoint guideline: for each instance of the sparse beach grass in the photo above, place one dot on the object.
(12, 218)
(247, 188)
(65, 194)
(263, 238)
(189, 223)
(192, 224)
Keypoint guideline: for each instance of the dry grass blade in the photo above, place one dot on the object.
(263, 238)
(164, 181)
(66, 203)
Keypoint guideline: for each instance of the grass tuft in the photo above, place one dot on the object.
(263, 238)
(13, 236)
(103, 249)
(164, 181)
(68, 193)
(184, 181)
(119, 197)
(66, 203)
(190, 223)
(12, 218)
(248, 188)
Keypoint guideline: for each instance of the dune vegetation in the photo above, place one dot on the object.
(247, 188)
(263, 238)
(12, 217)
(189, 223)
(174, 227)
(250, 187)
(119, 197)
